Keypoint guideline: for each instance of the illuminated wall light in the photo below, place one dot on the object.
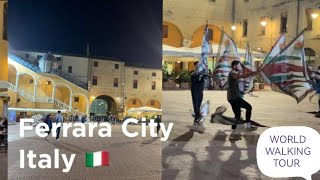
(314, 15)
(233, 27)
(263, 23)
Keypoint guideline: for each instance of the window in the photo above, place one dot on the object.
(58, 58)
(59, 67)
(210, 34)
(134, 102)
(245, 28)
(165, 31)
(152, 103)
(76, 99)
(95, 63)
(283, 25)
(153, 87)
(116, 66)
(262, 28)
(27, 56)
(5, 21)
(135, 84)
(309, 19)
(94, 80)
(115, 82)
(310, 55)
(135, 72)
(39, 56)
(154, 74)
(69, 69)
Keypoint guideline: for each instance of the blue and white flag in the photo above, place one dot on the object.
(206, 49)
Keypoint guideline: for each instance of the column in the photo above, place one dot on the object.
(5, 108)
(35, 92)
(70, 102)
(17, 82)
(88, 107)
(53, 92)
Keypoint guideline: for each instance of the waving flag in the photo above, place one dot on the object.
(280, 45)
(249, 65)
(227, 52)
(206, 49)
(287, 70)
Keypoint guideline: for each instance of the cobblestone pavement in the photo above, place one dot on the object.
(3, 165)
(130, 158)
(192, 155)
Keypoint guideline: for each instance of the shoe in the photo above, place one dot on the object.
(251, 128)
(58, 139)
(235, 137)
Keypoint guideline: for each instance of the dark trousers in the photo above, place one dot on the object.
(158, 128)
(49, 132)
(197, 96)
(58, 132)
(237, 104)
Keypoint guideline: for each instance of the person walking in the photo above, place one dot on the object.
(59, 119)
(158, 121)
(48, 121)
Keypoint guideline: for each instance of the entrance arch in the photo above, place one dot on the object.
(103, 105)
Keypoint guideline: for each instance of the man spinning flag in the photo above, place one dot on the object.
(197, 76)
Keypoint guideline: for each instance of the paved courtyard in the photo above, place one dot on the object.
(191, 155)
(130, 158)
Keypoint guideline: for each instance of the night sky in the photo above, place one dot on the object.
(129, 30)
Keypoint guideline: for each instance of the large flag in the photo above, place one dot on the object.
(227, 52)
(279, 45)
(206, 49)
(287, 70)
(248, 65)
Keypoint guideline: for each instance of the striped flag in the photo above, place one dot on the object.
(227, 52)
(279, 45)
(248, 65)
(287, 70)
(100, 158)
(206, 49)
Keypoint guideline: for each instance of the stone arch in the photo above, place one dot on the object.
(45, 86)
(103, 105)
(63, 93)
(154, 104)
(198, 35)
(174, 35)
(134, 103)
(27, 82)
(13, 72)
